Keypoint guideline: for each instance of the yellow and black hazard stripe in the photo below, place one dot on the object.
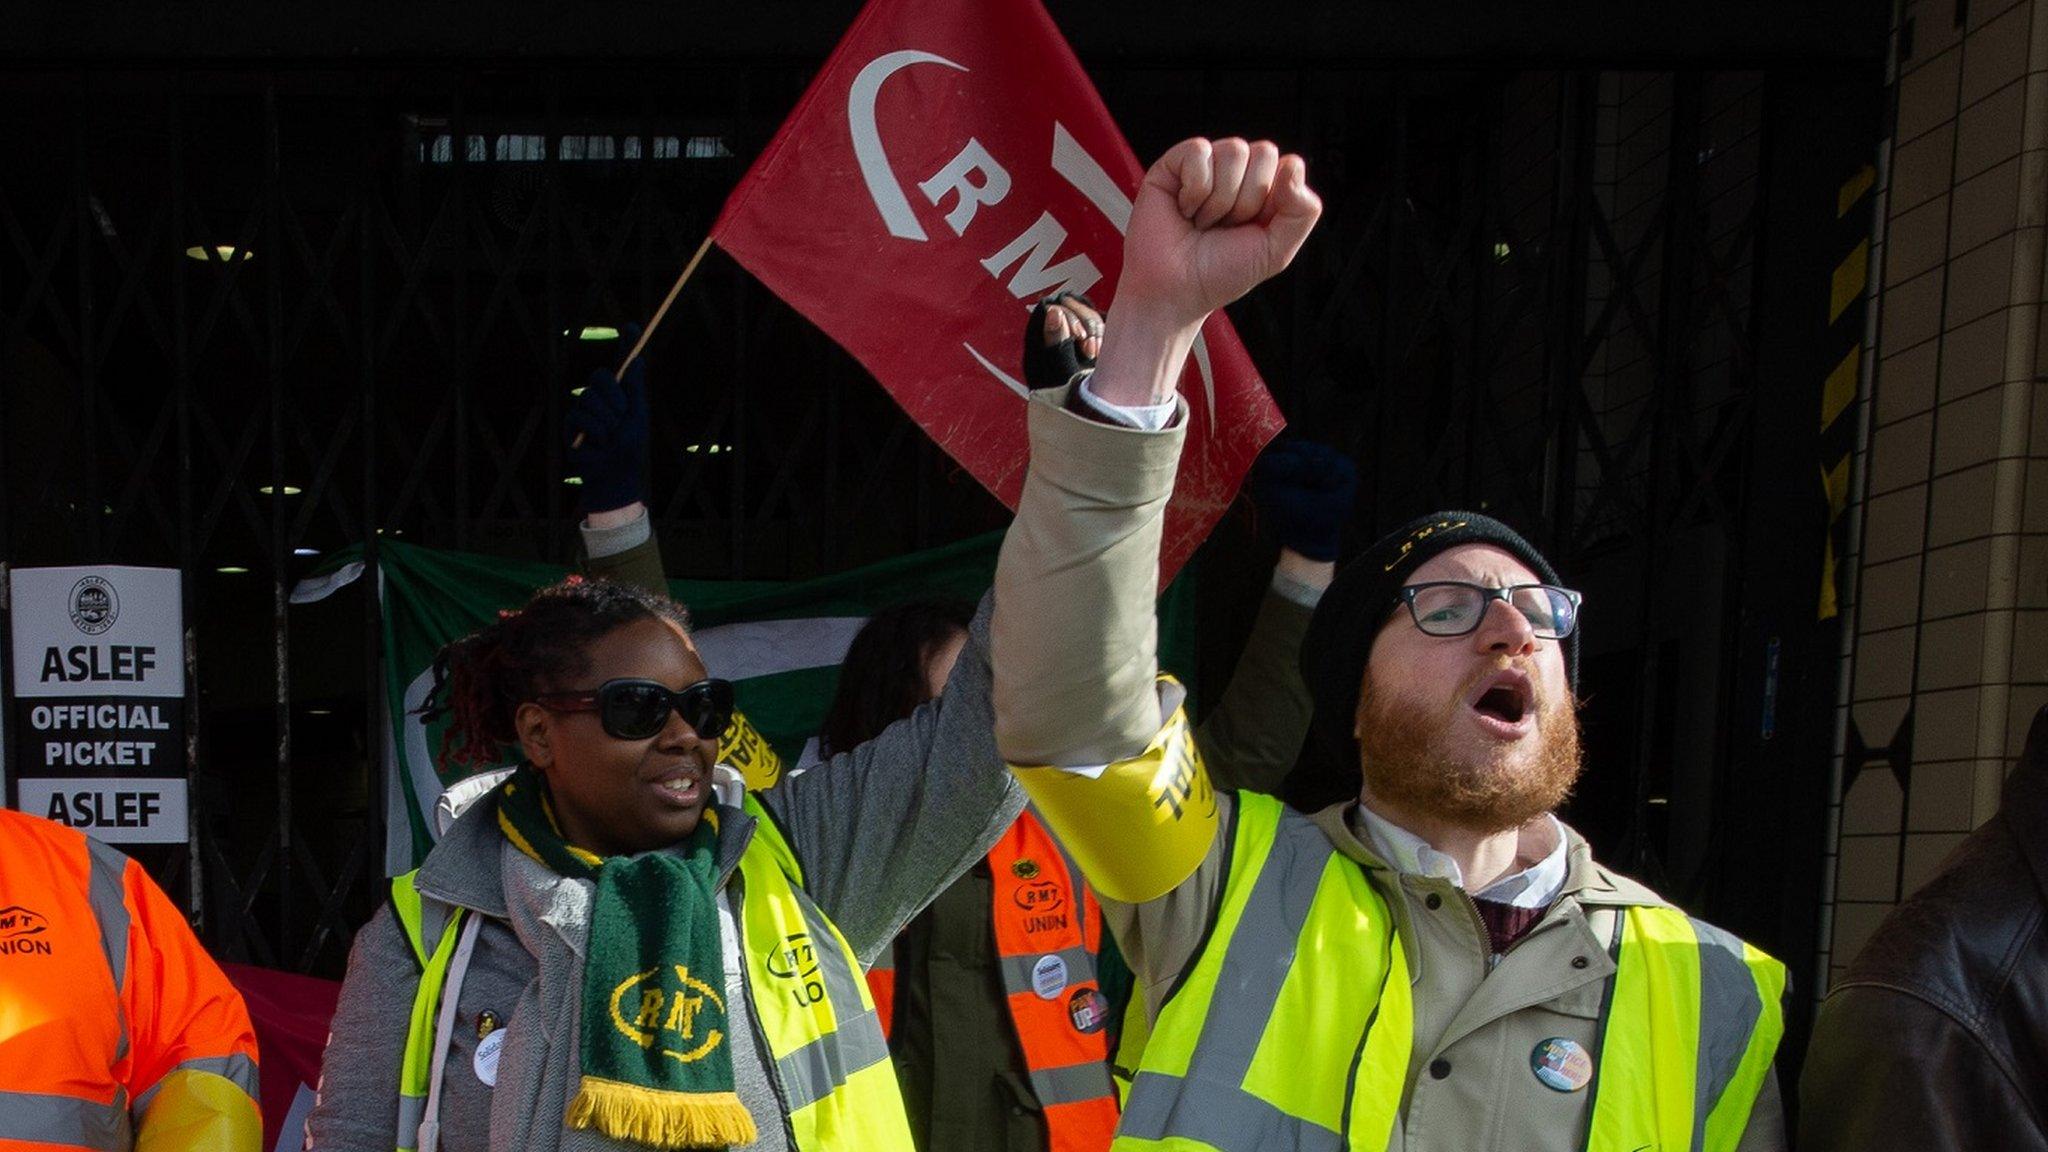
(1848, 307)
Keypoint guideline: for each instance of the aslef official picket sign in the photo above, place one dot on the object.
(98, 709)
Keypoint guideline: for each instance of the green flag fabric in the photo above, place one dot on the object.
(779, 642)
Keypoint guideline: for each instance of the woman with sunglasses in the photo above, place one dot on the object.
(618, 948)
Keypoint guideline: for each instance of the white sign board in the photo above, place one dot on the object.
(99, 711)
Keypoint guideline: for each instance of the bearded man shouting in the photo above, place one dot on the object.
(1444, 662)
(1434, 962)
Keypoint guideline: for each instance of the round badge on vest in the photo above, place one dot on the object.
(1088, 1009)
(1562, 1065)
(1049, 977)
(486, 1059)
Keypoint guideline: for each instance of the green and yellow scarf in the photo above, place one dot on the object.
(655, 1055)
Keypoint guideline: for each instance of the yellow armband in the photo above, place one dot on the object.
(200, 1111)
(743, 747)
(1141, 827)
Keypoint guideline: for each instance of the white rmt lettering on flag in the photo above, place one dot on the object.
(950, 165)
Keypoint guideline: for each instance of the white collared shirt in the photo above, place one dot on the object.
(1149, 417)
(1536, 886)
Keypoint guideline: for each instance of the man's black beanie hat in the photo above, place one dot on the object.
(1367, 590)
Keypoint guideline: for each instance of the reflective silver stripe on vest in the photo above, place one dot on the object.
(1218, 1115)
(103, 893)
(1210, 1104)
(65, 1120)
(1072, 1084)
(1729, 1010)
(412, 1112)
(1017, 969)
(236, 1069)
(1079, 961)
(1077, 884)
(817, 1069)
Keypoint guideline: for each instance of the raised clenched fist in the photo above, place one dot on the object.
(1211, 220)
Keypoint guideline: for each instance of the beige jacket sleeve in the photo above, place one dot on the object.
(1074, 652)
(1249, 741)
(1075, 639)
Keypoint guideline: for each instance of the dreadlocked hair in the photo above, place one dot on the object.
(481, 680)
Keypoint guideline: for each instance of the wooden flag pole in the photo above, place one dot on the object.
(647, 333)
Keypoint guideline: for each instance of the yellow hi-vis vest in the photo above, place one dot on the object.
(1686, 1042)
(810, 1003)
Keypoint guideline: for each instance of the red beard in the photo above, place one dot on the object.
(1402, 751)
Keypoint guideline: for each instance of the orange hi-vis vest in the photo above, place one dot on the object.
(117, 1030)
(882, 986)
(1048, 931)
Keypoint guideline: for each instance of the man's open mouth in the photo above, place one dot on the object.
(1506, 696)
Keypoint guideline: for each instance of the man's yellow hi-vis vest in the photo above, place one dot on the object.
(1686, 1042)
(809, 999)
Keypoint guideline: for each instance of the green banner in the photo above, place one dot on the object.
(780, 642)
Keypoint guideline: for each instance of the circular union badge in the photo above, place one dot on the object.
(1049, 977)
(1088, 1009)
(485, 1062)
(1561, 1064)
(94, 606)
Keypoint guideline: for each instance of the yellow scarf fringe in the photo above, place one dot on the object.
(661, 1119)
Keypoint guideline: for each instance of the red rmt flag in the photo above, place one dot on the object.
(950, 165)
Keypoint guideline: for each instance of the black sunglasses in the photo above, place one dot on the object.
(638, 709)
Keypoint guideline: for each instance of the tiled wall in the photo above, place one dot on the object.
(1951, 611)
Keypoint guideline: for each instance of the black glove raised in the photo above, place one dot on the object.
(1305, 490)
(607, 431)
(1051, 365)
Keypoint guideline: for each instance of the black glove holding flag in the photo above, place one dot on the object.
(1061, 339)
(1304, 489)
(606, 428)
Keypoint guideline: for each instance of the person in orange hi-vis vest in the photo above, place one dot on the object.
(117, 1030)
(1044, 1020)
(1005, 1001)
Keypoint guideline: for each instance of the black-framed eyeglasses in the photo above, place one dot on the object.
(1456, 607)
(638, 709)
